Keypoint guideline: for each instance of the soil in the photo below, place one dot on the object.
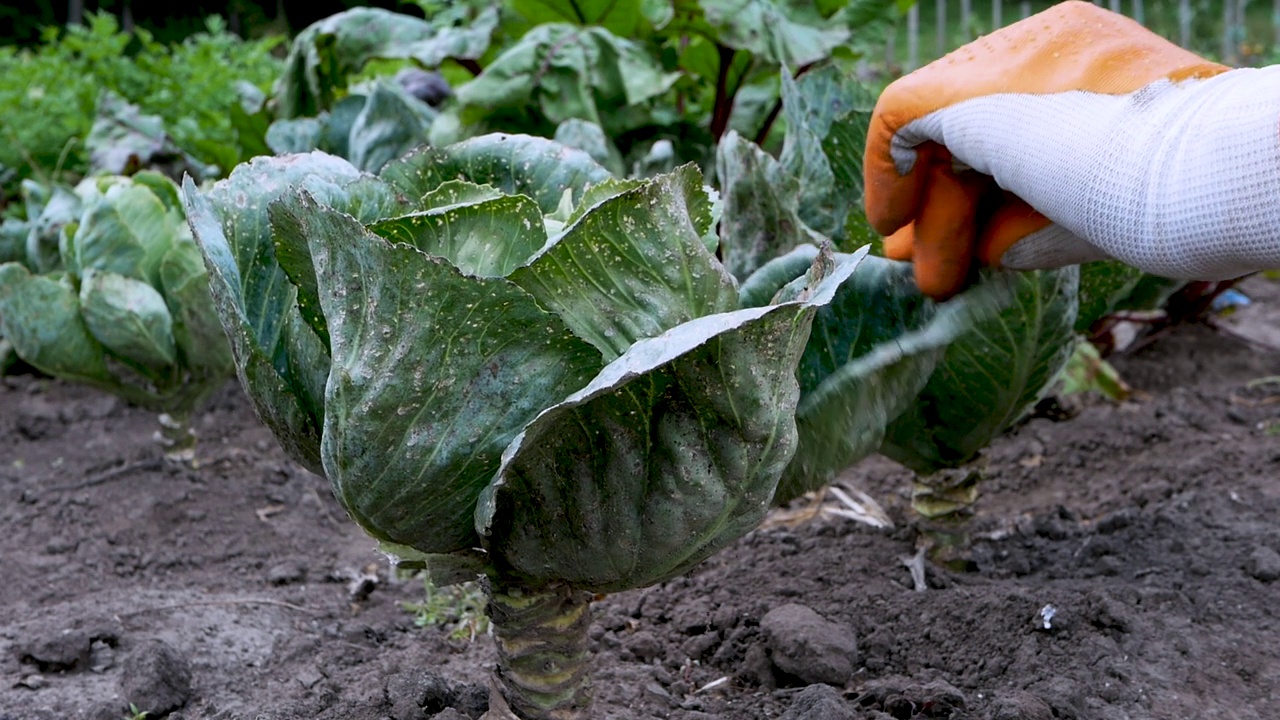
(237, 589)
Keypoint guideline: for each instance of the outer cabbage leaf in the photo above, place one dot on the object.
(634, 266)
(990, 376)
(433, 372)
(200, 340)
(869, 355)
(126, 231)
(390, 124)
(590, 138)
(281, 362)
(1103, 286)
(129, 318)
(515, 164)
(40, 316)
(761, 207)
(827, 115)
(673, 451)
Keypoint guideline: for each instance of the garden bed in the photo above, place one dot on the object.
(1150, 526)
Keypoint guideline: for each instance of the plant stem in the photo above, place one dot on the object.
(542, 650)
(723, 107)
(763, 134)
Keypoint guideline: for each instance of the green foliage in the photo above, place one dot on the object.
(112, 292)
(661, 82)
(50, 94)
(990, 376)
(325, 54)
(458, 609)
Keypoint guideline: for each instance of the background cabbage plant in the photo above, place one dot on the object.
(110, 290)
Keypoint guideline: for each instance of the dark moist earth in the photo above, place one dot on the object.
(234, 591)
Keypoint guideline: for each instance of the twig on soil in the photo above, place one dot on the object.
(154, 463)
(915, 563)
(236, 601)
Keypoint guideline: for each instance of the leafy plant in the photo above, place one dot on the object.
(457, 609)
(49, 94)
(510, 365)
(112, 292)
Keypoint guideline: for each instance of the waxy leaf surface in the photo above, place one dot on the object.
(433, 373)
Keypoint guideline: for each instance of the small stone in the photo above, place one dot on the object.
(808, 647)
(415, 694)
(696, 647)
(449, 714)
(1263, 564)
(307, 677)
(59, 649)
(1019, 705)
(156, 678)
(819, 702)
(643, 645)
(32, 682)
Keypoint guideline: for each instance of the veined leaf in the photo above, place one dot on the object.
(433, 372)
(197, 332)
(766, 29)
(827, 115)
(281, 368)
(1103, 286)
(127, 231)
(129, 318)
(990, 376)
(569, 72)
(761, 207)
(490, 238)
(390, 124)
(514, 164)
(671, 452)
(634, 266)
(40, 315)
(869, 355)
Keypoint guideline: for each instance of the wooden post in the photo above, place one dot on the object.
(1138, 13)
(997, 12)
(1116, 6)
(75, 12)
(1026, 9)
(966, 19)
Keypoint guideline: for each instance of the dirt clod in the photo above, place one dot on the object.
(804, 645)
(156, 678)
(819, 702)
(1264, 564)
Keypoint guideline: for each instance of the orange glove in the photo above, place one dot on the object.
(1075, 135)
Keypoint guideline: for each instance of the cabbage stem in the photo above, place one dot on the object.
(542, 650)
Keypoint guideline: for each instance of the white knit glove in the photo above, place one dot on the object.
(1121, 144)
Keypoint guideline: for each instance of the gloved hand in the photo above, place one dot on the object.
(1076, 135)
